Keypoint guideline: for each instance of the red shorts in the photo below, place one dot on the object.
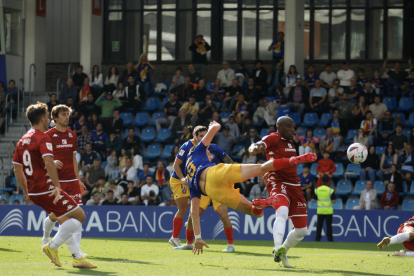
(408, 244)
(73, 189)
(64, 206)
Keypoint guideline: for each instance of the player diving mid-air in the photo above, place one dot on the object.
(405, 235)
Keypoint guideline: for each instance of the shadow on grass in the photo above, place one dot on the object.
(9, 250)
(316, 272)
(83, 271)
(118, 260)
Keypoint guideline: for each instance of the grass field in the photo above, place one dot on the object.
(22, 256)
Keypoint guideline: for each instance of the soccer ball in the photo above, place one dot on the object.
(357, 153)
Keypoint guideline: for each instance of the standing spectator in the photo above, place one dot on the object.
(111, 163)
(370, 166)
(98, 139)
(96, 79)
(328, 77)
(94, 173)
(124, 200)
(111, 80)
(83, 138)
(132, 192)
(225, 140)
(267, 112)
(130, 71)
(398, 140)
(308, 141)
(390, 198)
(259, 75)
(377, 82)
(259, 191)
(108, 105)
(119, 92)
(360, 109)
(226, 75)
(177, 79)
(278, 48)
(345, 75)
(251, 93)
(325, 196)
(394, 177)
(396, 80)
(79, 77)
(114, 142)
(128, 173)
(183, 91)
(77, 127)
(310, 77)
(149, 193)
(131, 140)
(369, 125)
(194, 75)
(200, 48)
(275, 80)
(368, 198)
(115, 123)
(388, 158)
(162, 179)
(53, 102)
(171, 109)
(13, 91)
(134, 95)
(206, 112)
(361, 80)
(378, 109)
(144, 68)
(318, 97)
(326, 167)
(306, 181)
(328, 142)
(88, 157)
(407, 163)
(298, 96)
(361, 138)
(335, 92)
(110, 199)
(201, 91)
(84, 92)
(251, 138)
(68, 91)
(241, 110)
(387, 126)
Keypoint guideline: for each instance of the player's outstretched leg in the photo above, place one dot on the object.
(399, 238)
(228, 229)
(178, 221)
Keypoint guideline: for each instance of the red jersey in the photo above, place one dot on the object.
(29, 153)
(279, 147)
(64, 144)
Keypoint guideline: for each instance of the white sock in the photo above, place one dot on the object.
(230, 245)
(409, 254)
(47, 228)
(66, 230)
(400, 238)
(78, 235)
(279, 225)
(294, 237)
(73, 247)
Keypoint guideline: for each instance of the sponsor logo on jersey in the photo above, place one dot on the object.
(289, 145)
(271, 153)
(291, 148)
(49, 146)
(300, 204)
(64, 141)
(235, 221)
(55, 135)
(26, 141)
(283, 189)
(182, 152)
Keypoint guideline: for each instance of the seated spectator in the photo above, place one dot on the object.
(279, 95)
(149, 193)
(79, 77)
(361, 138)
(308, 142)
(90, 108)
(88, 157)
(370, 166)
(131, 140)
(115, 123)
(390, 198)
(275, 80)
(397, 78)
(3, 113)
(207, 111)
(170, 202)
(241, 110)
(267, 112)
(173, 155)
(335, 92)
(124, 200)
(394, 177)
(75, 110)
(252, 94)
(110, 199)
(398, 140)
(251, 138)
(83, 139)
(97, 199)
(53, 102)
(108, 105)
(378, 109)
(111, 80)
(328, 77)
(306, 181)
(241, 73)
(111, 161)
(201, 92)
(226, 75)
(171, 109)
(84, 91)
(68, 90)
(335, 124)
(259, 75)
(128, 173)
(16, 202)
(192, 108)
(325, 169)
(298, 97)
(409, 92)
(232, 94)
(183, 90)
(194, 76)
(234, 128)
(318, 97)
(114, 142)
(142, 177)
(216, 118)
(186, 135)
(291, 77)
(225, 140)
(177, 79)
(130, 71)
(98, 140)
(100, 187)
(125, 154)
(13, 91)
(369, 93)
(377, 82)
(137, 158)
(360, 109)
(249, 158)
(388, 158)
(96, 79)
(94, 173)
(3, 92)
(310, 77)
(361, 80)
(259, 191)
(162, 179)
(353, 90)
(329, 143)
(407, 163)
(369, 125)
(144, 68)
(135, 95)
(119, 93)
(183, 119)
(368, 198)
(217, 94)
(3, 202)
(345, 75)
(133, 193)
(387, 126)
(93, 122)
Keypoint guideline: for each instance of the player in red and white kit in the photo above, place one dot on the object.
(285, 186)
(64, 142)
(405, 235)
(36, 174)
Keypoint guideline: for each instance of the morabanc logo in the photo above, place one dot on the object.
(235, 222)
(13, 218)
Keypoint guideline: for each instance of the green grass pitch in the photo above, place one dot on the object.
(22, 256)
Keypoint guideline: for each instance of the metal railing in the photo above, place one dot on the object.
(7, 119)
(21, 88)
(21, 129)
(30, 81)
(73, 70)
(10, 151)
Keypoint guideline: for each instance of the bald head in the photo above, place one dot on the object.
(284, 120)
(286, 127)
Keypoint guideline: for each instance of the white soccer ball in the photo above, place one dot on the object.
(357, 153)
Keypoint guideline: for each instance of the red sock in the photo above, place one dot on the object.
(190, 236)
(202, 210)
(256, 211)
(282, 163)
(177, 225)
(229, 235)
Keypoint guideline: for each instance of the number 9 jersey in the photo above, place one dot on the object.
(29, 153)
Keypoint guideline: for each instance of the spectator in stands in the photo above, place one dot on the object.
(201, 92)
(326, 167)
(318, 97)
(162, 177)
(131, 140)
(234, 128)
(186, 135)
(267, 112)
(225, 140)
(251, 93)
(3, 202)
(111, 200)
(75, 110)
(335, 92)
(298, 97)
(79, 77)
(368, 198)
(398, 140)
(360, 109)
(411, 139)
(259, 191)
(83, 138)
(310, 77)
(226, 75)
(377, 82)
(108, 105)
(98, 139)
(353, 90)
(387, 126)
(130, 71)
(396, 80)
(144, 68)
(53, 102)
(100, 187)
(97, 199)
(217, 94)
(133, 193)
(13, 91)
(241, 109)
(369, 93)
(177, 79)
(291, 77)
(111, 160)
(111, 80)
(361, 138)
(378, 109)
(149, 193)
(390, 198)
(387, 159)
(278, 48)
(200, 48)
(124, 200)
(135, 95)
(115, 123)
(361, 80)
(93, 122)
(93, 174)
(183, 91)
(306, 181)
(16, 202)
(329, 143)
(241, 73)
(68, 90)
(345, 75)
(251, 138)
(308, 141)
(137, 158)
(96, 79)
(192, 108)
(142, 177)
(231, 96)
(3, 111)
(394, 177)
(194, 75)
(88, 156)
(206, 112)
(174, 153)
(84, 92)
(3, 92)
(171, 109)
(328, 77)
(77, 127)
(248, 157)
(370, 166)
(120, 93)
(407, 163)
(89, 108)
(128, 173)
(369, 125)
(216, 118)
(335, 124)
(275, 80)
(183, 119)
(409, 92)
(259, 75)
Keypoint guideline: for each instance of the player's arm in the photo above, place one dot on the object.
(257, 148)
(213, 128)
(21, 180)
(177, 169)
(228, 160)
(75, 166)
(195, 215)
(53, 175)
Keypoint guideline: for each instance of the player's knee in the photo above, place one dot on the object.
(282, 212)
(224, 216)
(301, 232)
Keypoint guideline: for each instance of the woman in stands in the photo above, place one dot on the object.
(291, 77)
(387, 159)
(360, 109)
(96, 79)
(370, 166)
(144, 68)
(111, 79)
(308, 142)
(394, 177)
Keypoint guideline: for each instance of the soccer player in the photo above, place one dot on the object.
(64, 142)
(405, 235)
(285, 186)
(217, 181)
(36, 174)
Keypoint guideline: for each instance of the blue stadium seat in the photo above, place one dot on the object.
(14, 197)
(343, 188)
(270, 99)
(127, 118)
(319, 132)
(324, 119)
(359, 187)
(210, 85)
(3, 197)
(162, 93)
(155, 116)
(299, 168)
(264, 132)
(350, 137)
(152, 104)
(380, 187)
(153, 151)
(13, 181)
(411, 192)
(407, 132)
(147, 135)
(406, 104)
(405, 188)
(167, 151)
(408, 205)
(164, 101)
(163, 134)
(338, 205)
(339, 170)
(312, 204)
(295, 117)
(126, 132)
(310, 120)
(351, 203)
(235, 151)
(141, 119)
(313, 169)
(103, 165)
(352, 170)
(302, 132)
(390, 103)
(225, 116)
(400, 115)
(410, 122)
(283, 111)
(380, 150)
